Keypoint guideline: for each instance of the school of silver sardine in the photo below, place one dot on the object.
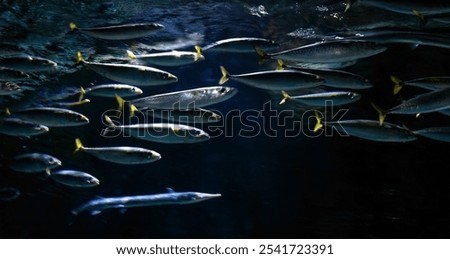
(295, 69)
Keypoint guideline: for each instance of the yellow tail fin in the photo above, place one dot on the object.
(133, 109)
(285, 97)
(398, 84)
(262, 55)
(225, 75)
(78, 145)
(109, 121)
(280, 64)
(79, 58)
(7, 111)
(131, 54)
(319, 124)
(73, 26)
(199, 51)
(120, 102)
(82, 93)
(381, 113)
(348, 4)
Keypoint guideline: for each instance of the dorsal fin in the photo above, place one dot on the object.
(169, 190)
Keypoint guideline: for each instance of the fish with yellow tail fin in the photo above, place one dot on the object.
(119, 32)
(169, 59)
(111, 90)
(322, 99)
(429, 83)
(424, 103)
(168, 133)
(71, 104)
(120, 155)
(274, 79)
(186, 99)
(129, 74)
(21, 128)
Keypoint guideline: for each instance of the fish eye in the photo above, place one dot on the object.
(133, 89)
(222, 90)
(51, 161)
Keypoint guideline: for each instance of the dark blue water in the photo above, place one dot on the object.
(272, 186)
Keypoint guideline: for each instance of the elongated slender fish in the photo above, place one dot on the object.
(96, 206)
(323, 99)
(20, 128)
(333, 78)
(130, 74)
(436, 133)
(27, 63)
(328, 52)
(240, 45)
(197, 115)
(120, 155)
(111, 90)
(424, 103)
(161, 132)
(186, 99)
(74, 178)
(275, 79)
(52, 117)
(8, 74)
(370, 130)
(430, 83)
(120, 32)
(34, 163)
(169, 59)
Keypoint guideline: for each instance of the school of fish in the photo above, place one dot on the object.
(313, 76)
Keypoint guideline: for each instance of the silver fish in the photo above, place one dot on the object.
(197, 115)
(424, 103)
(52, 117)
(160, 132)
(328, 52)
(169, 59)
(371, 130)
(323, 99)
(27, 64)
(241, 45)
(120, 155)
(333, 78)
(20, 128)
(436, 133)
(34, 163)
(430, 83)
(275, 79)
(130, 74)
(74, 178)
(119, 32)
(185, 99)
(111, 90)
(96, 206)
